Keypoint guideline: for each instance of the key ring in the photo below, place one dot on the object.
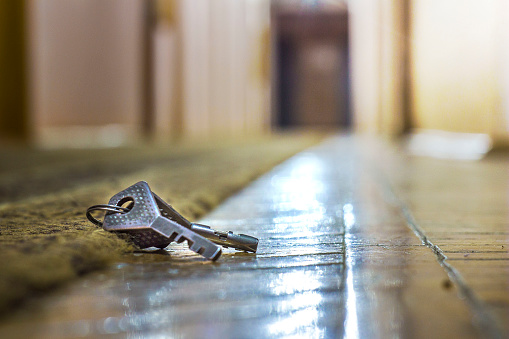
(104, 207)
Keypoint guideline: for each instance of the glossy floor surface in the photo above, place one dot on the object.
(357, 239)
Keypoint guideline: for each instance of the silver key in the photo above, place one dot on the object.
(241, 242)
(150, 236)
(148, 227)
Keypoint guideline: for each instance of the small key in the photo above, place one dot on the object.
(146, 225)
(227, 239)
(241, 242)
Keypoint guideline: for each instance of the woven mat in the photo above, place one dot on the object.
(45, 238)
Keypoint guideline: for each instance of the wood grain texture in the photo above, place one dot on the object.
(357, 239)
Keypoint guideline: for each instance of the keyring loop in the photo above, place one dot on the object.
(107, 208)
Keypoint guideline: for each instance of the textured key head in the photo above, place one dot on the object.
(142, 214)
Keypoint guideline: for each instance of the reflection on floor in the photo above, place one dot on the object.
(356, 240)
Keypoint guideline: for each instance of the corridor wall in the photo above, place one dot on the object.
(109, 73)
(440, 65)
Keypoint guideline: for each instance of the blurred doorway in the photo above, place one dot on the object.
(311, 85)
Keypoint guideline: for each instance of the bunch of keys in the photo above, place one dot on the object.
(151, 222)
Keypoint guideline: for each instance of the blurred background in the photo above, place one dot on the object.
(96, 73)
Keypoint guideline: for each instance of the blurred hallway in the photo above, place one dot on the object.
(94, 74)
(396, 226)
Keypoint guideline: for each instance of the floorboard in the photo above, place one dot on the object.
(357, 239)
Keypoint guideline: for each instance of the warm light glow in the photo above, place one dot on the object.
(302, 189)
(288, 283)
(348, 216)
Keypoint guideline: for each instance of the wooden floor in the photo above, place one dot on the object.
(357, 239)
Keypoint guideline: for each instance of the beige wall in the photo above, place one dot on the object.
(365, 63)
(393, 84)
(457, 76)
(505, 65)
(223, 50)
(86, 69)
(456, 65)
(377, 52)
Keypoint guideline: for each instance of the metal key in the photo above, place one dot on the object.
(226, 239)
(146, 225)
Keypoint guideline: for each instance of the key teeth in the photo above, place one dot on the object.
(212, 256)
(195, 247)
(217, 254)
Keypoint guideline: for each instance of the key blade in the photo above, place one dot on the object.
(178, 233)
(227, 239)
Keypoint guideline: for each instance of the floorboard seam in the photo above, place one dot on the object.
(485, 321)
